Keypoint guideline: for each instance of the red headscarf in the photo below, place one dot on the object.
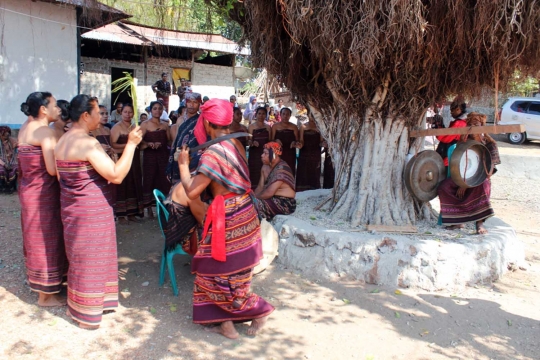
(274, 146)
(215, 111)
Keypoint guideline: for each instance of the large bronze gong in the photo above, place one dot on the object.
(423, 173)
(470, 164)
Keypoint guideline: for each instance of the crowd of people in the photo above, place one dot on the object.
(78, 174)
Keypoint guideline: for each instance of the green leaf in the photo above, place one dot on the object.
(397, 315)
(509, 322)
(153, 310)
(173, 307)
(375, 291)
(313, 218)
(53, 322)
(398, 292)
(346, 301)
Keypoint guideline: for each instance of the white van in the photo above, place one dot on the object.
(522, 110)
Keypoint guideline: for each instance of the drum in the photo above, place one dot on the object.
(423, 173)
(270, 243)
(470, 164)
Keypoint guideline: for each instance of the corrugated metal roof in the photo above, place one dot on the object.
(130, 33)
(115, 33)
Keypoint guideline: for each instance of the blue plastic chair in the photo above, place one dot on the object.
(166, 256)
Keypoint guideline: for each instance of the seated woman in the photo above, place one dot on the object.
(185, 215)
(275, 192)
(86, 196)
(462, 205)
(8, 160)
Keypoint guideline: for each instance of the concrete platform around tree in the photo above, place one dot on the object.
(424, 261)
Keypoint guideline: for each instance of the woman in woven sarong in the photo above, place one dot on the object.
(236, 126)
(261, 135)
(86, 173)
(231, 244)
(308, 175)
(39, 194)
(329, 172)
(129, 194)
(8, 160)
(462, 205)
(156, 138)
(287, 133)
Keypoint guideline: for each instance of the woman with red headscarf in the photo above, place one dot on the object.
(231, 244)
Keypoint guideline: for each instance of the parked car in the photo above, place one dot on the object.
(525, 111)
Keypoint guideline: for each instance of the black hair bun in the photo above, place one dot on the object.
(25, 109)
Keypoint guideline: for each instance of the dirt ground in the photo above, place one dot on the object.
(314, 318)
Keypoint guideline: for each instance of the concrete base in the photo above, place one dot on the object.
(419, 261)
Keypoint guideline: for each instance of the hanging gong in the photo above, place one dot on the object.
(423, 173)
(470, 164)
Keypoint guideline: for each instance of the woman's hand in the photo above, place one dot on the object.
(183, 156)
(255, 143)
(157, 145)
(461, 192)
(135, 136)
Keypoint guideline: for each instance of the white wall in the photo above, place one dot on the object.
(213, 81)
(36, 55)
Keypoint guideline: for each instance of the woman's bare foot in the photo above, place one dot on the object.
(455, 227)
(82, 325)
(480, 229)
(226, 329)
(48, 300)
(256, 325)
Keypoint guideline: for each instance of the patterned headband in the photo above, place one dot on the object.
(274, 146)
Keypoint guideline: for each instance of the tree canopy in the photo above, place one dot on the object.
(345, 52)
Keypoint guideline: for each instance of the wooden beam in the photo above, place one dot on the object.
(492, 129)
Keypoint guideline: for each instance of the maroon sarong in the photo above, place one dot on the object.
(328, 172)
(43, 241)
(289, 155)
(308, 176)
(155, 163)
(129, 194)
(474, 206)
(87, 215)
(255, 162)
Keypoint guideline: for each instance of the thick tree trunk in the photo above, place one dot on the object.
(369, 163)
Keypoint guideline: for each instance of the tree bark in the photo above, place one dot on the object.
(369, 160)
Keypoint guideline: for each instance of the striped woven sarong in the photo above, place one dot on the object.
(87, 215)
(289, 154)
(276, 205)
(474, 206)
(129, 194)
(43, 241)
(155, 163)
(221, 290)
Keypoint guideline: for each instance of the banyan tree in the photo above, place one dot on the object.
(368, 69)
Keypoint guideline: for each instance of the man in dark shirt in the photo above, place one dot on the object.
(162, 88)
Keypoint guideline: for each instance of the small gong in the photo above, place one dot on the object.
(470, 164)
(423, 173)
